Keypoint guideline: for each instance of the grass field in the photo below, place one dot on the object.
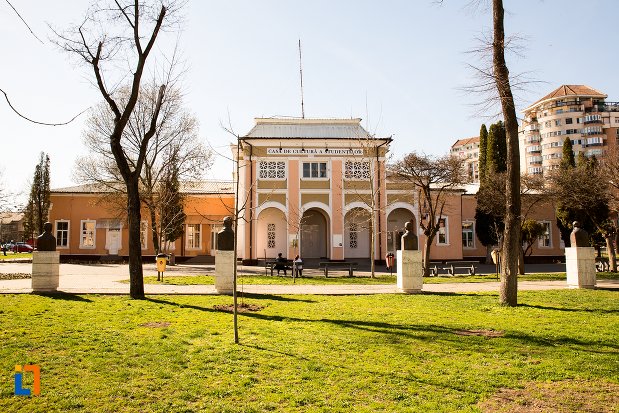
(262, 279)
(381, 353)
(12, 255)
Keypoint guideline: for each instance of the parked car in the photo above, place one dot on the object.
(22, 247)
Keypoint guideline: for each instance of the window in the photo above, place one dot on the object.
(88, 234)
(144, 234)
(442, 235)
(193, 237)
(270, 235)
(558, 122)
(353, 235)
(314, 169)
(357, 170)
(468, 235)
(62, 234)
(272, 170)
(568, 121)
(545, 239)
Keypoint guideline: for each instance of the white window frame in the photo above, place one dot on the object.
(472, 231)
(277, 163)
(191, 237)
(348, 177)
(540, 241)
(83, 234)
(318, 178)
(144, 234)
(438, 235)
(62, 247)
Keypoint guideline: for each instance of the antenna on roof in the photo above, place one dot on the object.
(301, 73)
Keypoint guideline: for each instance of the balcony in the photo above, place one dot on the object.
(532, 139)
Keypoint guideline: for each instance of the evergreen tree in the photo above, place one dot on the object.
(37, 211)
(483, 146)
(496, 149)
(172, 203)
(568, 160)
(581, 160)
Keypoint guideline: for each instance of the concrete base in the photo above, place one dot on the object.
(580, 267)
(45, 271)
(224, 272)
(410, 271)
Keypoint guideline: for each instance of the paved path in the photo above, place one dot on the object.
(104, 279)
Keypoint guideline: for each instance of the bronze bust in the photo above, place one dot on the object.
(225, 237)
(579, 237)
(46, 241)
(409, 239)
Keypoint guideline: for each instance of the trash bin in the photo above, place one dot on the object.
(171, 259)
(162, 260)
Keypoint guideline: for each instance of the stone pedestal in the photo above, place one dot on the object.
(45, 271)
(224, 272)
(410, 271)
(580, 267)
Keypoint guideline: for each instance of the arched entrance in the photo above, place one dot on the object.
(395, 227)
(314, 234)
(271, 233)
(357, 224)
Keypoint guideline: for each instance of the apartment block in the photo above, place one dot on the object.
(468, 149)
(575, 111)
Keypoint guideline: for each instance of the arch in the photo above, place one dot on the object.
(357, 204)
(326, 209)
(357, 222)
(401, 205)
(314, 242)
(396, 219)
(272, 229)
(271, 204)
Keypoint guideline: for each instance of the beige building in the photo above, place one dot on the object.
(575, 111)
(468, 149)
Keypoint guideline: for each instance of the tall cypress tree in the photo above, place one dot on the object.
(483, 146)
(37, 211)
(568, 160)
(496, 152)
(172, 202)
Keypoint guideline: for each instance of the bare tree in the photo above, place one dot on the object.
(115, 41)
(175, 141)
(434, 178)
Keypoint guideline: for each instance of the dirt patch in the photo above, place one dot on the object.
(482, 333)
(558, 397)
(241, 308)
(156, 324)
(14, 276)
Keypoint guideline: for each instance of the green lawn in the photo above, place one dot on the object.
(12, 255)
(305, 353)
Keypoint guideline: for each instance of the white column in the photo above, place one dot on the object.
(580, 267)
(410, 271)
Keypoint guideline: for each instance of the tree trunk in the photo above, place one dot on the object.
(136, 277)
(508, 294)
(489, 249)
(612, 260)
(426, 256)
(154, 231)
(372, 247)
(521, 262)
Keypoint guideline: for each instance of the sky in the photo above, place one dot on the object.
(400, 65)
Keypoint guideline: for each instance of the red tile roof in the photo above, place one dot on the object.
(570, 90)
(466, 141)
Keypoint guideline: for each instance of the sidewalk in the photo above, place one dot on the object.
(105, 279)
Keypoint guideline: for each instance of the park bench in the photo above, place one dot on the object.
(602, 264)
(270, 264)
(338, 264)
(450, 268)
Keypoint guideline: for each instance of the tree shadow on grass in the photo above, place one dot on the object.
(64, 297)
(455, 294)
(575, 310)
(274, 298)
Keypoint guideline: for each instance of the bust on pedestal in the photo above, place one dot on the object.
(409, 266)
(224, 259)
(45, 262)
(580, 260)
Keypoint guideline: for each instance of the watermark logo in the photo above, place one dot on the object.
(19, 380)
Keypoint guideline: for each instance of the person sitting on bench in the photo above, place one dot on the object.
(298, 265)
(281, 263)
